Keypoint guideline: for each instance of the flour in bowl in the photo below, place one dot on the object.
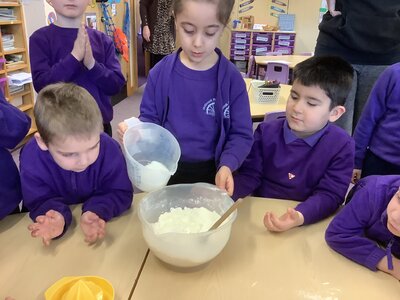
(186, 220)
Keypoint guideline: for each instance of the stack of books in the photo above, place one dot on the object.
(8, 41)
(17, 80)
(7, 14)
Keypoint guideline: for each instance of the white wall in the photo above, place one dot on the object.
(35, 16)
(306, 23)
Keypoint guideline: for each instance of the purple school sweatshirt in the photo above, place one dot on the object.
(51, 61)
(14, 125)
(315, 170)
(361, 225)
(103, 188)
(230, 110)
(379, 124)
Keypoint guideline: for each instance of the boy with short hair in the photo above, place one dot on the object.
(14, 125)
(71, 161)
(367, 230)
(67, 51)
(303, 157)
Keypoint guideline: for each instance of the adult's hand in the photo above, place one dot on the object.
(146, 33)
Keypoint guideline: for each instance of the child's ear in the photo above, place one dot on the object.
(42, 145)
(336, 113)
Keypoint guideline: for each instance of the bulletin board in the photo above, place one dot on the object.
(264, 11)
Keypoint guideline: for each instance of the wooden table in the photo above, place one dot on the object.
(258, 110)
(27, 268)
(291, 60)
(257, 264)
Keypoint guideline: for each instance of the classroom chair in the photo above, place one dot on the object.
(277, 71)
(250, 68)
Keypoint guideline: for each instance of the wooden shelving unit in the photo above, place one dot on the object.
(24, 99)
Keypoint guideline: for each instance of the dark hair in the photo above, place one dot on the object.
(66, 109)
(224, 8)
(330, 73)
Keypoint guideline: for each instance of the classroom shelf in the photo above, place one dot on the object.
(24, 99)
(14, 51)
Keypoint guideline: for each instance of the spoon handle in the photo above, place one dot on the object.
(226, 214)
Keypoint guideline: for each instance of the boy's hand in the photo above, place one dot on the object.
(288, 220)
(88, 59)
(93, 227)
(49, 226)
(122, 127)
(356, 176)
(146, 33)
(80, 44)
(224, 179)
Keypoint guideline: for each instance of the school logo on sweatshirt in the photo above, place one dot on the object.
(209, 108)
(225, 109)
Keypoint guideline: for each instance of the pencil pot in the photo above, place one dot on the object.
(264, 94)
(152, 154)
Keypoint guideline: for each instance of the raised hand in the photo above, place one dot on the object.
(93, 227)
(288, 220)
(49, 226)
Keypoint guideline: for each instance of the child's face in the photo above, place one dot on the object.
(308, 110)
(73, 153)
(393, 212)
(70, 9)
(198, 30)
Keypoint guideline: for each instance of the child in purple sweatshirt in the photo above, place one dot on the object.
(367, 230)
(67, 51)
(377, 135)
(200, 97)
(70, 161)
(303, 157)
(14, 125)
